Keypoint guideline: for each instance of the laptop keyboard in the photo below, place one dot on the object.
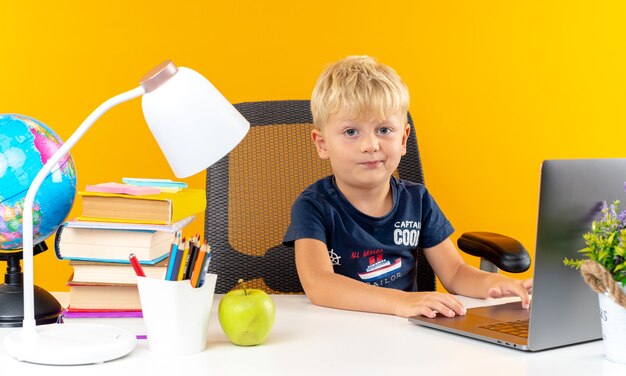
(516, 328)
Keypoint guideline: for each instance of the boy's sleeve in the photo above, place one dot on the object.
(435, 226)
(307, 221)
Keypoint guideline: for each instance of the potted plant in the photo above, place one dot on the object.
(604, 270)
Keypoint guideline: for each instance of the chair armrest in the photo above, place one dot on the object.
(506, 253)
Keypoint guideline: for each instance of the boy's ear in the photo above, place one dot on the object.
(405, 137)
(320, 143)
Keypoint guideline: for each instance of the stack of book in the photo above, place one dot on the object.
(113, 225)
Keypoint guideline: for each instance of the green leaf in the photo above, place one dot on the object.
(572, 263)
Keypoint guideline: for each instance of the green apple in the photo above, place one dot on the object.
(246, 316)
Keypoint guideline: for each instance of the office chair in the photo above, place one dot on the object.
(251, 190)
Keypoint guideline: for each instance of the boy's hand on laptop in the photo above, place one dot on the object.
(429, 304)
(513, 287)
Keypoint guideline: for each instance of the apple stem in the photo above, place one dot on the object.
(242, 285)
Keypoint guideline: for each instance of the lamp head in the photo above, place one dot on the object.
(192, 122)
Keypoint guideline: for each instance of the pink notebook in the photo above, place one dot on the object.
(120, 188)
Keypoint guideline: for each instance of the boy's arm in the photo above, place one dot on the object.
(459, 278)
(325, 288)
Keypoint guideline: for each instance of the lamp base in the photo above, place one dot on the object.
(47, 308)
(70, 344)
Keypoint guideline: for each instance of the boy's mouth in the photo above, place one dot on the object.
(371, 164)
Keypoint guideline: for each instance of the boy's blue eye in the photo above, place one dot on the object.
(384, 130)
(350, 132)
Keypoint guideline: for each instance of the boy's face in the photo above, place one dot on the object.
(363, 153)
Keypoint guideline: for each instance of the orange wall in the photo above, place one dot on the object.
(496, 86)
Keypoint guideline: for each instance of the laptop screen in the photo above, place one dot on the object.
(571, 196)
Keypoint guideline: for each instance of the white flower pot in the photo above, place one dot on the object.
(613, 318)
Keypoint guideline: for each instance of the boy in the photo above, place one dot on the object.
(358, 230)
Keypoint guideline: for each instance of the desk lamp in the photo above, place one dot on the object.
(195, 126)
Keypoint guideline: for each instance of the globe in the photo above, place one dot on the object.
(26, 145)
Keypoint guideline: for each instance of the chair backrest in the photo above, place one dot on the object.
(251, 190)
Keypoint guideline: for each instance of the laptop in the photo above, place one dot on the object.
(564, 309)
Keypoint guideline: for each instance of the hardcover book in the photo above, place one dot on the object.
(113, 272)
(104, 296)
(162, 208)
(89, 244)
(174, 227)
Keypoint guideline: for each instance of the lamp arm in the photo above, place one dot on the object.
(29, 323)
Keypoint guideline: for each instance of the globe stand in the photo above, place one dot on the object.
(47, 308)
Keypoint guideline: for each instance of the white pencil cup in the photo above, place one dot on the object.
(176, 315)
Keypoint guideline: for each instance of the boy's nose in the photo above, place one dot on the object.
(369, 144)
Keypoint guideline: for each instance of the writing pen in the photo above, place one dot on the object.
(135, 263)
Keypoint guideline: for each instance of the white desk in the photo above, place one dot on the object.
(311, 340)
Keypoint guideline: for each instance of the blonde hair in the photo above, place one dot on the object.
(362, 87)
